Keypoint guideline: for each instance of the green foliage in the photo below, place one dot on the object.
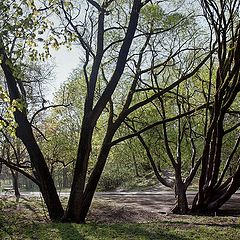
(172, 36)
(160, 17)
(26, 29)
(152, 13)
(110, 182)
(8, 122)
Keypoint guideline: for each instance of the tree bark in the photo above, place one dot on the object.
(41, 171)
(24, 132)
(15, 185)
(79, 178)
(213, 192)
(180, 191)
(95, 175)
(81, 196)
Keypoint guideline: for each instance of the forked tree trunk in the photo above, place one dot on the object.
(81, 196)
(94, 179)
(43, 175)
(78, 213)
(79, 178)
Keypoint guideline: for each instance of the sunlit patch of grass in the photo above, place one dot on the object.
(29, 222)
(152, 231)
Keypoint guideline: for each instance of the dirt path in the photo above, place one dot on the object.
(137, 207)
(145, 207)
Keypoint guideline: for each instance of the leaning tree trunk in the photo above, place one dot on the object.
(24, 132)
(41, 171)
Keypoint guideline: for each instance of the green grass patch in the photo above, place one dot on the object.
(30, 222)
(154, 231)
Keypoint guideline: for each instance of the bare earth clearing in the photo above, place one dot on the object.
(130, 207)
(135, 208)
(117, 216)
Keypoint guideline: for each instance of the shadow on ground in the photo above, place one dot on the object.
(113, 231)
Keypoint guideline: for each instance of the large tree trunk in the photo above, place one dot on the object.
(213, 192)
(216, 197)
(80, 172)
(78, 208)
(92, 183)
(41, 171)
(24, 132)
(95, 176)
(81, 197)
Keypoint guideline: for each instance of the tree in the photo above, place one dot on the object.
(13, 152)
(17, 32)
(173, 146)
(220, 99)
(81, 195)
(215, 188)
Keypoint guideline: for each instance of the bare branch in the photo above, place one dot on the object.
(14, 167)
(45, 108)
(161, 179)
(167, 89)
(156, 124)
(95, 4)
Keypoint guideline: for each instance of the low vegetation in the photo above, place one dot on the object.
(28, 220)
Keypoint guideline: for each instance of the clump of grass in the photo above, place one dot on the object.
(92, 231)
(29, 222)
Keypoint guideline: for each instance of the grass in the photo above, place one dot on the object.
(93, 231)
(30, 222)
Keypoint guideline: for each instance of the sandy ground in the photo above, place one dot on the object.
(132, 207)
(146, 208)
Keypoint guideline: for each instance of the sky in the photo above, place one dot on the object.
(65, 61)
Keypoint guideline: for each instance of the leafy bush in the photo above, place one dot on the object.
(110, 182)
